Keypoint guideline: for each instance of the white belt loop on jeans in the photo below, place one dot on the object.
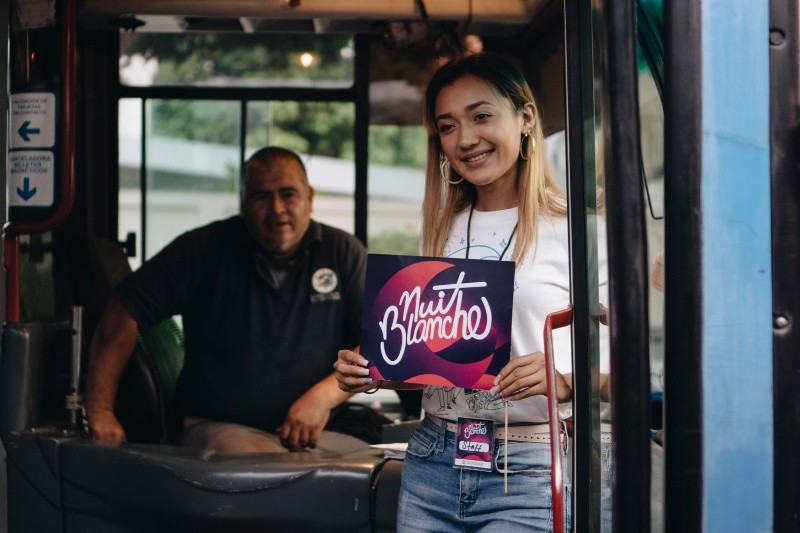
(527, 433)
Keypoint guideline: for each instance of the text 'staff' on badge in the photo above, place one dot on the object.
(437, 321)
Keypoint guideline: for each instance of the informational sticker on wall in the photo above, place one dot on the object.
(31, 178)
(437, 321)
(33, 120)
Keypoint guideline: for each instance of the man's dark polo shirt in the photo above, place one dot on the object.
(251, 350)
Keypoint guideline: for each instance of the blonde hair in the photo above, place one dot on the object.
(539, 194)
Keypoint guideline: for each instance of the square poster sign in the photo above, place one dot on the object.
(437, 321)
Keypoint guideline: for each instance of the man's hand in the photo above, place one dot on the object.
(304, 422)
(309, 414)
(104, 426)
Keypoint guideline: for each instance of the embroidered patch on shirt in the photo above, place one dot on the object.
(324, 280)
(326, 297)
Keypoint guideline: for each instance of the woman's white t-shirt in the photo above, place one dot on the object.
(541, 286)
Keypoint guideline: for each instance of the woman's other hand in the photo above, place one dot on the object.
(526, 376)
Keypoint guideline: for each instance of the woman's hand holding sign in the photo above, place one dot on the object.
(526, 376)
(352, 373)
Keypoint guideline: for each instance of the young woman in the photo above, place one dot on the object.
(489, 195)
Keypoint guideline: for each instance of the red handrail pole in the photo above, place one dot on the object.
(558, 319)
(12, 230)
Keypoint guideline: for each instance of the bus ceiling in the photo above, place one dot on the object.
(532, 30)
(347, 16)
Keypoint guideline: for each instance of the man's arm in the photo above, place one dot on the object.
(111, 348)
(309, 414)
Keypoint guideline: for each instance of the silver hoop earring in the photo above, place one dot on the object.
(526, 146)
(447, 172)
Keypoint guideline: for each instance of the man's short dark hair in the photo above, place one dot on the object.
(266, 157)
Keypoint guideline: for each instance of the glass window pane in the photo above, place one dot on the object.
(597, 280)
(236, 59)
(396, 187)
(556, 147)
(129, 199)
(192, 162)
(397, 145)
(651, 113)
(322, 133)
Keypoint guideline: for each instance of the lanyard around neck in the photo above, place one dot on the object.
(469, 228)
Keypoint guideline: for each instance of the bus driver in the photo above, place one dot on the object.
(267, 298)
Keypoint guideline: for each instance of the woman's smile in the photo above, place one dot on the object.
(480, 132)
(476, 159)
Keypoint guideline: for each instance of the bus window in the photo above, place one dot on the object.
(180, 157)
(396, 185)
(179, 134)
(651, 114)
(129, 198)
(398, 145)
(191, 167)
(237, 59)
(323, 133)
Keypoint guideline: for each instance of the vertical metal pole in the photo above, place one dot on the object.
(4, 70)
(361, 134)
(785, 155)
(683, 378)
(586, 478)
(628, 272)
(143, 181)
(73, 402)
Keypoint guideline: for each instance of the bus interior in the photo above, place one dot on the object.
(151, 106)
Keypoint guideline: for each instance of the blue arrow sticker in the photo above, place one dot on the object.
(25, 130)
(33, 121)
(26, 193)
(31, 178)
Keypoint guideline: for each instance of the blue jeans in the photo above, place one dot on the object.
(435, 496)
